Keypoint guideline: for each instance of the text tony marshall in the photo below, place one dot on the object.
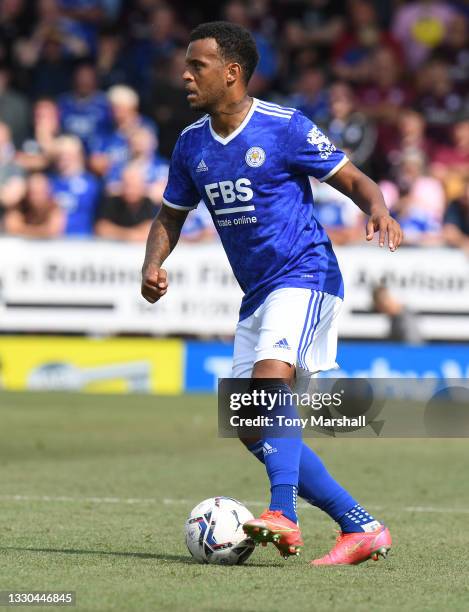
(311, 421)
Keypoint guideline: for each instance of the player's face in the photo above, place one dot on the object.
(205, 75)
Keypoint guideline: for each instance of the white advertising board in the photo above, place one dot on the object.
(93, 287)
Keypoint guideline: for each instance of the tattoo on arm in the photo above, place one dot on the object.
(164, 234)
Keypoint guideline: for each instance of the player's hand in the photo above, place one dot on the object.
(386, 226)
(154, 283)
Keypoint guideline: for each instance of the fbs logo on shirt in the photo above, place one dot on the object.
(229, 192)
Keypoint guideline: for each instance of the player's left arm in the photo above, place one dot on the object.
(366, 194)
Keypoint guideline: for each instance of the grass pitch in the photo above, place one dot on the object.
(95, 491)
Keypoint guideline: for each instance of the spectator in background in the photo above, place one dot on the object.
(85, 111)
(112, 65)
(416, 200)
(129, 215)
(12, 185)
(143, 146)
(42, 41)
(450, 164)
(409, 135)
(138, 19)
(168, 101)
(320, 22)
(352, 53)
(86, 15)
(384, 96)
(37, 215)
(312, 28)
(75, 189)
(236, 11)
(411, 128)
(439, 100)
(310, 96)
(14, 108)
(54, 23)
(456, 222)
(37, 152)
(113, 149)
(15, 22)
(455, 49)
(404, 325)
(198, 227)
(348, 129)
(164, 34)
(420, 27)
(48, 75)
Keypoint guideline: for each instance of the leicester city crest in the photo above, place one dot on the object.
(255, 157)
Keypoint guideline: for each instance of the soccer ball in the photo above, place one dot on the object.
(214, 532)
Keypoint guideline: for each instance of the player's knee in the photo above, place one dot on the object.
(273, 368)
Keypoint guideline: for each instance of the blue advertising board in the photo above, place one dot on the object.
(387, 360)
(205, 362)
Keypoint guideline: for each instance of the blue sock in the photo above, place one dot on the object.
(318, 488)
(284, 499)
(282, 450)
(357, 519)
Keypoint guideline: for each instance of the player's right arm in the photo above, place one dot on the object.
(179, 198)
(163, 237)
(311, 152)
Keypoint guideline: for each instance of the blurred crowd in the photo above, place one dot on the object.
(92, 102)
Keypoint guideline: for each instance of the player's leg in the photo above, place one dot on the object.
(281, 444)
(297, 327)
(294, 315)
(361, 535)
(317, 351)
(282, 456)
(320, 489)
(278, 335)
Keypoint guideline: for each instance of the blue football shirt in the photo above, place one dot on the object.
(255, 184)
(88, 118)
(115, 144)
(78, 197)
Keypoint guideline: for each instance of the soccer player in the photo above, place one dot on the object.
(249, 161)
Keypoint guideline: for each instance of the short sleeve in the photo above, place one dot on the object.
(180, 192)
(310, 152)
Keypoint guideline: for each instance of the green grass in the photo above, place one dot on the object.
(157, 457)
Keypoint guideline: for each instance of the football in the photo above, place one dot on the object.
(214, 532)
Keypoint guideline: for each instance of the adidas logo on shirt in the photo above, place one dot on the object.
(268, 449)
(282, 344)
(202, 167)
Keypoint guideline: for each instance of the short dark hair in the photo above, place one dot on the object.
(234, 42)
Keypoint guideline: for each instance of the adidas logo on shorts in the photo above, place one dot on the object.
(267, 449)
(282, 344)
